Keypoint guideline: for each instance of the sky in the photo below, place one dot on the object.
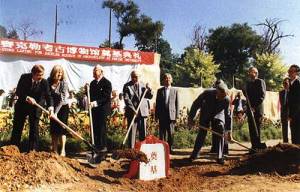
(85, 22)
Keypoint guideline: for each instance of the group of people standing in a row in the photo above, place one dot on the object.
(214, 105)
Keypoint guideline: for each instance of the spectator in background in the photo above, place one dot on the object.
(72, 101)
(59, 92)
(2, 98)
(121, 104)
(284, 115)
(12, 97)
(239, 106)
(114, 102)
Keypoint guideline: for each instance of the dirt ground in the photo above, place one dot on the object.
(277, 169)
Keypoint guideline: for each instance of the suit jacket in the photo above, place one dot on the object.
(256, 91)
(283, 100)
(41, 93)
(101, 93)
(171, 110)
(132, 99)
(211, 108)
(294, 99)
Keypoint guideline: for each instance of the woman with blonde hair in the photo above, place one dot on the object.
(59, 93)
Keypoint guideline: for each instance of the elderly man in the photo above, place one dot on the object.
(36, 87)
(133, 92)
(294, 103)
(167, 110)
(215, 112)
(100, 92)
(255, 93)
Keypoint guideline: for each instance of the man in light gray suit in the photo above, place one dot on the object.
(167, 110)
(133, 91)
(215, 112)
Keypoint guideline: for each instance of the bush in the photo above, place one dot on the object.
(184, 136)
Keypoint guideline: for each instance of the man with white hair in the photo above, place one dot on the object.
(133, 91)
(100, 92)
(255, 93)
(214, 105)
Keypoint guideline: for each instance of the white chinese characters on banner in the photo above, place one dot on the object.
(156, 168)
(42, 49)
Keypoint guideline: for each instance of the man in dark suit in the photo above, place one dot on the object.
(133, 91)
(167, 109)
(100, 92)
(294, 103)
(214, 105)
(283, 100)
(35, 86)
(255, 93)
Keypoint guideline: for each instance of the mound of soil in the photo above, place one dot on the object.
(20, 170)
(131, 154)
(9, 150)
(282, 158)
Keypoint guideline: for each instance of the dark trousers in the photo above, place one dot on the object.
(166, 130)
(217, 126)
(138, 125)
(99, 128)
(254, 136)
(295, 130)
(20, 114)
(284, 125)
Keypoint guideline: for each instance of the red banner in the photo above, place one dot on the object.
(54, 50)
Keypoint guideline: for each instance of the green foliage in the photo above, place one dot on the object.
(271, 69)
(3, 32)
(197, 68)
(147, 33)
(233, 47)
(130, 22)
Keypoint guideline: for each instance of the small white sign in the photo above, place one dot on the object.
(156, 167)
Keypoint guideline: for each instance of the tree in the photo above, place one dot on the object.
(197, 68)
(199, 37)
(127, 18)
(13, 34)
(271, 68)
(3, 32)
(233, 47)
(26, 29)
(147, 33)
(272, 35)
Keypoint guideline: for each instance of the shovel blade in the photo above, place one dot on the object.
(95, 158)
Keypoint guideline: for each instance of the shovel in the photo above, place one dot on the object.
(133, 119)
(230, 140)
(92, 160)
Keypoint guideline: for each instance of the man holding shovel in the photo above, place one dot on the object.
(100, 101)
(215, 112)
(133, 95)
(32, 88)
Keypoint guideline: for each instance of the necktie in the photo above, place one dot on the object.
(34, 84)
(166, 96)
(136, 88)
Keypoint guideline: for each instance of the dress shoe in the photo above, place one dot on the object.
(221, 161)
